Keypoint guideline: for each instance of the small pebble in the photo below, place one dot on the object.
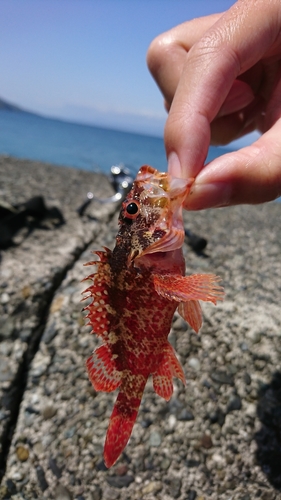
(4, 299)
(48, 411)
(152, 487)
(22, 453)
(206, 441)
(120, 481)
(155, 438)
(175, 487)
(222, 378)
(41, 478)
(195, 364)
(234, 403)
(62, 493)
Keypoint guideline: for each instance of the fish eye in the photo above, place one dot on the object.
(131, 209)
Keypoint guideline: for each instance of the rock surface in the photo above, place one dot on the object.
(218, 437)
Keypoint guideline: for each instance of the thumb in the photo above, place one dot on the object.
(251, 175)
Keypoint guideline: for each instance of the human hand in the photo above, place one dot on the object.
(221, 79)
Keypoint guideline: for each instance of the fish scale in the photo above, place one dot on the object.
(136, 290)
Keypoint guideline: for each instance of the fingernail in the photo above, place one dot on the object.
(201, 196)
(174, 166)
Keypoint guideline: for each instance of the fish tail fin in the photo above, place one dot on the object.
(163, 377)
(123, 417)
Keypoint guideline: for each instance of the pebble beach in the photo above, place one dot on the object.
(217, 438)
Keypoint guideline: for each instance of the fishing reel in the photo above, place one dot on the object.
(121, 180)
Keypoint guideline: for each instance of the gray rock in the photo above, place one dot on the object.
(66, 447)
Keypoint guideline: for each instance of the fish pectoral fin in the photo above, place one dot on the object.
(102, 370)
(195, 287)
(163, 378)
(191, 312)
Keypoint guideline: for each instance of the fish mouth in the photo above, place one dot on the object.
(164, 195)
(173, 236)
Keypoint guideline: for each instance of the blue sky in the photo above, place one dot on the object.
(85, 60)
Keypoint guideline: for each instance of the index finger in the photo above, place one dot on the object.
(239, 38)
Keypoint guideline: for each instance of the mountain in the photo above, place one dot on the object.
(9, 107)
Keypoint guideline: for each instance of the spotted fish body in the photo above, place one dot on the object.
(135, 292)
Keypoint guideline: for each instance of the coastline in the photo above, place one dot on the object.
(216, 438)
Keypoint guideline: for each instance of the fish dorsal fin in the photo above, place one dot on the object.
(102, 370)
(98, 314)
(191, 312)
(183, 288)
(163, 377)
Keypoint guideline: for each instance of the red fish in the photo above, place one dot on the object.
(135, 292)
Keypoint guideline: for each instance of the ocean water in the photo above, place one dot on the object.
(26, 135)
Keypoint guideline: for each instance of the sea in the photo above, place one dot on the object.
(30, 136)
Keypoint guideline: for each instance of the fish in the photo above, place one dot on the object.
(135, 291)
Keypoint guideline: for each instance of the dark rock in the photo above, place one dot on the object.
(50, 333)
(97, 493)
(191, 495)
(175, 487)
(234, 403)
(62, 493)
(41, 478)
(101, 466)
(119, 481)
(206, 441)
(185, 415)
(247, 378)
(217, 417)
(12, 489)
(221, 377)
(54, 468)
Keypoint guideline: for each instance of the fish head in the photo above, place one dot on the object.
(151, 215)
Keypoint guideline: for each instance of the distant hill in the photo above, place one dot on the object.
(8, 107)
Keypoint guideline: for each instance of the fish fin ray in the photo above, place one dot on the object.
(163, 378)
(99, 291)
(122, 419)
(195, 287)
(102, 370)
(191, 312)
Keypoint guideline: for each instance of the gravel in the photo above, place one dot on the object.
(218, 437)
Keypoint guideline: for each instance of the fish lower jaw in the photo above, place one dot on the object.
(166, 261)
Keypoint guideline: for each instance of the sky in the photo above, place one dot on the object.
(85, 60)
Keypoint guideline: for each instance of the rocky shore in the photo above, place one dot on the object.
(218, 437)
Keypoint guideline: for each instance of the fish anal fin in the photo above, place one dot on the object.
(122, 419)
(102, 370)
(191, 312)
(163, 377)
(195, 287)
(163, 382)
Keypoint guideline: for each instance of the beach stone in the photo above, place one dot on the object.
(155, 438)
(221, 377)
(22, 453)
(152, 487)
(120, 481)
(194, 363)
(62, 493)
(234, 403)
(175, 487)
